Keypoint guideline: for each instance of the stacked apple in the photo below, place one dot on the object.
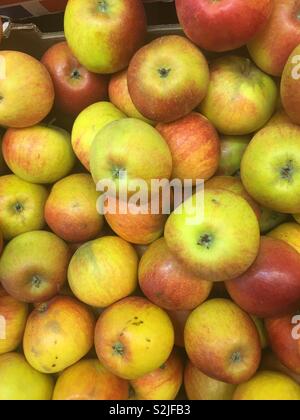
(134, 304)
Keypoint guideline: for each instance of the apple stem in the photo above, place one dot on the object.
(75, 74)
(36, 281)
(206, 240)
(236, 357)
(118, 349)
(287, 171)
(103, 6)
(18, 207)
(164, 72)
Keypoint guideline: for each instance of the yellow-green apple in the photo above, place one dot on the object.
(289, 233)
(194, 145)
(270, 168)
(21, 206)
(163, 383)
(241, 98)
(38, 154)
(75, 87)
(284, 343)
(14, 314)
(262, 332)
(104, 35)
(289, 88)
(222, 341)
(168, 78)
(19, 381)
(58, 334)
(233, 184)
(3, 167)
(272, 46)
(199, 386)
(27, 92)
(103, 271)
(271, 286)
(71, 211)
(269, 219)
(133, 337)
(33, 266)
(133, 147)
(271, 362)
(232, 151)
(268, 386)
(89, 380)
(167, 282)
(179, 319)
(88, 123)
(212, 244)
(222, 26)
(119, 95)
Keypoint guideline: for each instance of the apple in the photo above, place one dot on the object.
(167, 283)
(75, 87)
(297, 218)
(14, 314)
(222, 341)
(194, 145)
(272, 46)
(179, 319)
(133, 146)
(290, 92)
(58, 334)
(89, 122)
(268, 386)
(269, 219)
(21, 206)
(71, 211)
(269, 168)
(33, 266)
(284, 345)
(213, 246)
(103, 271)
(222, 26)
(104, 35)
(271, 362)
(289, 233)
(3, 167)
(168, 78)
(241, 98)
(38, 154)
(162, 384)
(120, 97)
(271, 286)
(232, 151)
(27, 92)
(133, 337)
(280, 117)
(88, 380)
(201, 387)
(262, 332)
(19, 381)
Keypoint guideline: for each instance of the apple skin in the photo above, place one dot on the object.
(271, 286)
(200, 387)
(38, 154)
(163, 384)
(272, 46)
(222, 341)
(284, 346)
(167, 283)
(289, 88)
(232, 151)
(223, 26)
(3, 167)
(88, 380)
(58, 334)
(103, 271)
(34, 266)
(289, 233)
(179, 319)
(297, 218)
(24, 78)
(269, 219)
(71, 211)
(19, 381)
(271, 362)
(279, 118)
(213, 247)
(21, 206)
(241, 98)
(104, 35)
(15, 314)
(86, 126)
(133, 337)
(119, 96)
(268, 386)
(268, 168)
(75, 87)
(194, 145)
(168, 78)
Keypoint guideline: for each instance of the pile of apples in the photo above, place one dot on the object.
(140, 305)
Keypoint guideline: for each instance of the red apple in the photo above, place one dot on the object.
(271, 286)
(222, 25)
(75, 87)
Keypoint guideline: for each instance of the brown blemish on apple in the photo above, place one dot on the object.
(54, 327)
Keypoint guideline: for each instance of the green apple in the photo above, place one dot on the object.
(232, 151)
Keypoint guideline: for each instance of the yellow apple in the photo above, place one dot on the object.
(289, 233)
